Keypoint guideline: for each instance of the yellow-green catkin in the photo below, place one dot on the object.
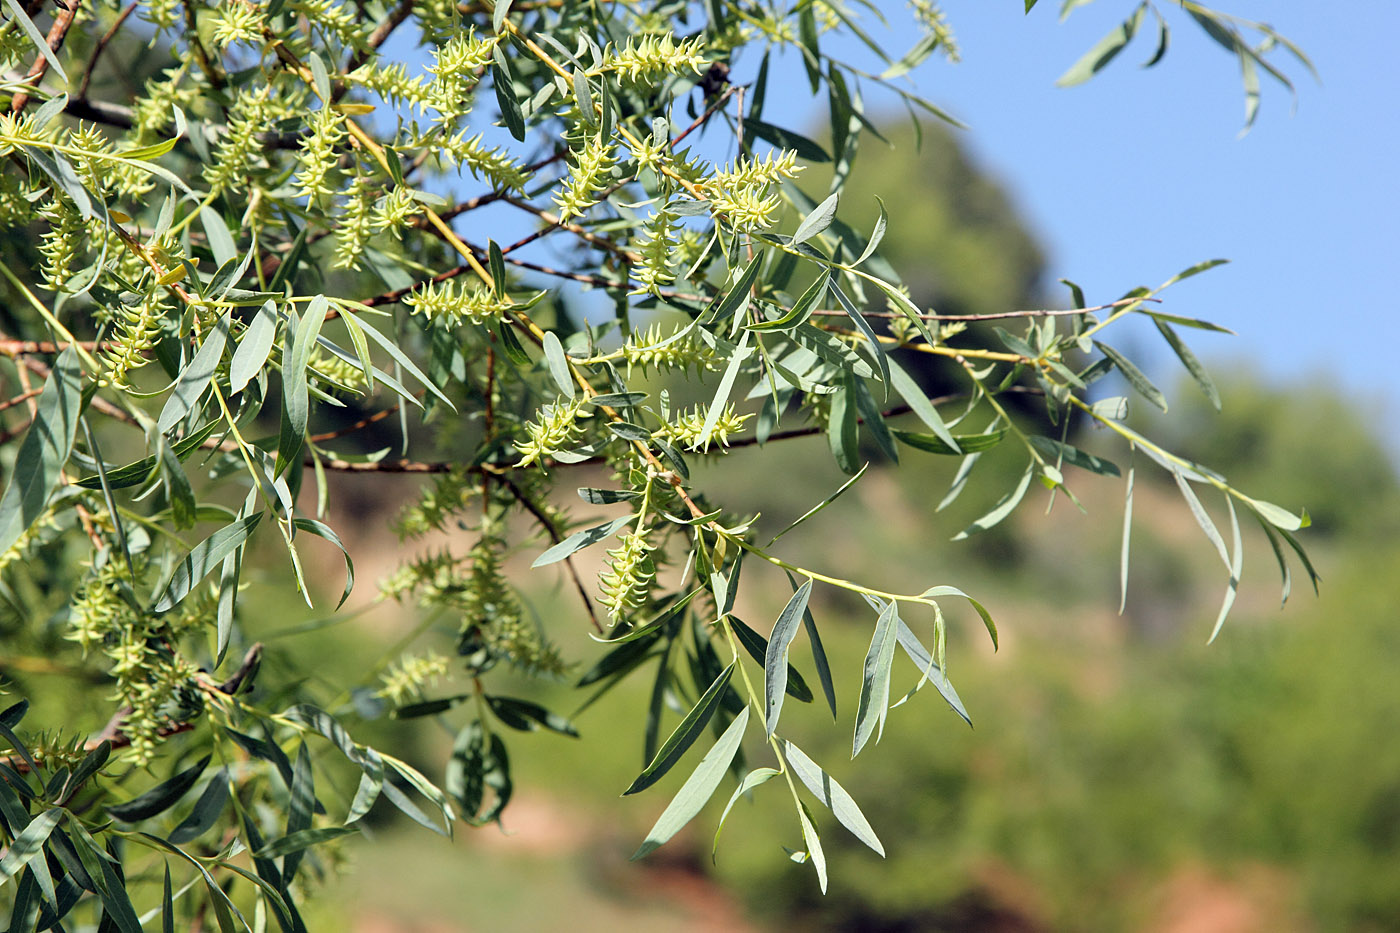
(554, 429)
(627, 581)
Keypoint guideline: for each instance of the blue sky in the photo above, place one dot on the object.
(1140, 173)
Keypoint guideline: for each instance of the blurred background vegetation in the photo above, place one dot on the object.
(1121, 776)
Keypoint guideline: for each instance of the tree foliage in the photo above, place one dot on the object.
(218, 286)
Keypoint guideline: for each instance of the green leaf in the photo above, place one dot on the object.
(293, 843)
(698, 788)
(253, 348)
(808, 42)
(877, 349)
(529, 717)
(875, 678)
(582, 539)
(818, 220)
(1134, 376)
(1003, 508)
(775, 662)
(505, 98)
(876, 235)
(1061, 451)
(1104, 51)
(726, 384)
(684, 735)
(1236, 566)
(965, 443)
(159, 798)
(832, 795)
(203, 558)
(322, 530)
(841, 430)
(607, 496)
(221, 242)
(1198, 511)
(296, 405)
(813, 843)
(1193, 365)
(133, 474)
(45, 449)
(499, 9)
(757, 647)
(195, 377)
(1127, 534)
(207, 810)
(558, 364)
(30, 842)
(784, 139)
(1277, 516)
(923, 660)
(737, 297)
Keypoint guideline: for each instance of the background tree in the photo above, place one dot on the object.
(254, 238)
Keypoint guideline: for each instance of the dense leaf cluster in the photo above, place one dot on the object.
(255, 248)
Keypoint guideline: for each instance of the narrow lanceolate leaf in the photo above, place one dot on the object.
(1236, 567)
(45, 449)
(875, 678)
(558, 364)
(296, 400)
(1198, 511)
(726, 384)
(801, 309)
(195, 378)
(161, 797)
(928, 669)
(962, 443)
(582, 539)
(304, 839)
(877, 349)
(1189, 360)
(1002, 509)
(876, 235)
(253, 348)
(734, 299)
(841, 429)
(817, 221)
(207, 810)
(775, 663)
(698, 788)
(1135, 376)
(819, 657)
(1127, 535)
(1278, 516)
(757, 647)
(510, 106)
(919, 404)
(1104, 51)
(832, 795)
(1058, 450)
(203, 558)
(30, 842)
(813, 843)
(684, 735)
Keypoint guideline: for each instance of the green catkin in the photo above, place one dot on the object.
(586, 177)
(555, 429)
(356, 224)
(448, 302)
(626, 583)
(138, 327)
(317, 157)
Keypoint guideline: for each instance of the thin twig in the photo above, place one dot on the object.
(107, 37)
